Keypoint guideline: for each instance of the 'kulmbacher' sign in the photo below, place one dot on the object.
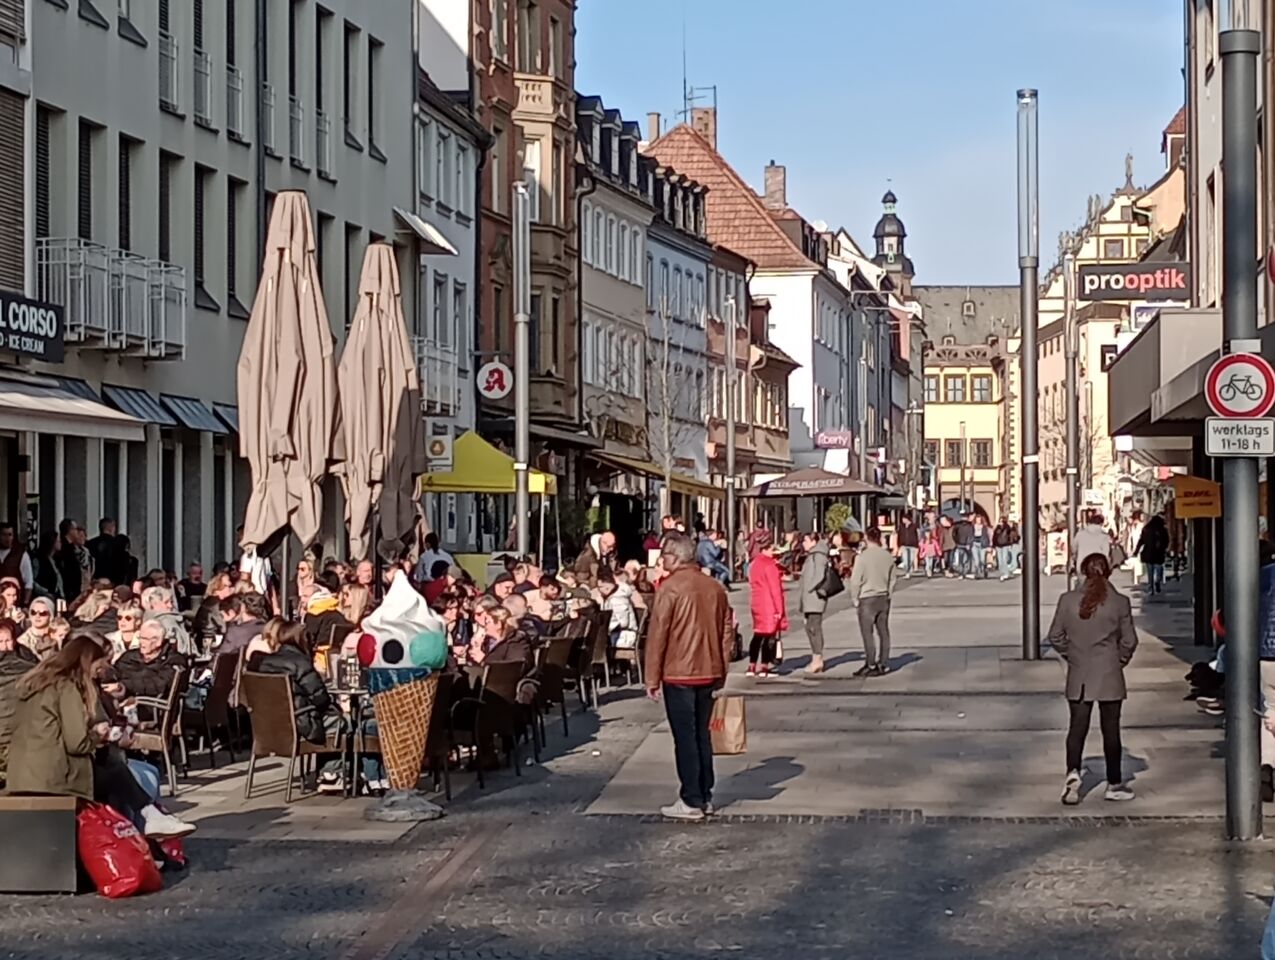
(1135, 281)
(31, 328)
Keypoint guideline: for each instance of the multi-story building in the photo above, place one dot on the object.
(968, 401)
(450, 147)
(615, 212)
(150, 190)
(809, 309)
(677, 265)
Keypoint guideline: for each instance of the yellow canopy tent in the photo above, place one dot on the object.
(478, 467)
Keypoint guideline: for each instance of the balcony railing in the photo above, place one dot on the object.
(296, 130)
(267, 116)
(439, 367)
(169, 90)
(323, 143)
(114, 300)
(203, 87)
(234, 101)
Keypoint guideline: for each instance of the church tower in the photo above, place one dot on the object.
(891, 254)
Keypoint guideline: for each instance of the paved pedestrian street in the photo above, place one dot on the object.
(912, 816)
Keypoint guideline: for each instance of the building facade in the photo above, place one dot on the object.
(615, 213)
(968, 395)
(147, 217)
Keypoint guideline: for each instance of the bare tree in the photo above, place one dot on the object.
(668, 394)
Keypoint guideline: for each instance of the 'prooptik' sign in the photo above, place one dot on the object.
(1135, 281)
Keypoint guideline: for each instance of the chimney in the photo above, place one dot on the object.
(652, 127)
(704, 122)
(776, 186)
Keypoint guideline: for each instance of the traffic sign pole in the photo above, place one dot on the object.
(1232, 393)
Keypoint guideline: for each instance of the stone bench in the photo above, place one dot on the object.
(37, 835)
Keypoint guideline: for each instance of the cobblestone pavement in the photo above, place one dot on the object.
(518, 871)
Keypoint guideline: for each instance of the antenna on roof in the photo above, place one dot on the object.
(686, 89)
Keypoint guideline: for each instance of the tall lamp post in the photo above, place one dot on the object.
(732, 385)
(1072, 349)
(522, 366)
(1028, 269)
(963, 508)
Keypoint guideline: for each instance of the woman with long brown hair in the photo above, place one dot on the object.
(1093, 631)
(59, 727)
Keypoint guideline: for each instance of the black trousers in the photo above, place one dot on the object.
(689, 709)
(1078, 729)
(114, 784)
(761, 649)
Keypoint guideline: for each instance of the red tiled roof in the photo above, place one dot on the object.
(737, 218)
(1177, 126)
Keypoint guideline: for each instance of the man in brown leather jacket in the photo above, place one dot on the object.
(687, 653)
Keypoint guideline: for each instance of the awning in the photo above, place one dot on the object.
(433, 241)
(478, 467)
(192, 414)
(678, 482)
(42, 405)
(81, 388)
(137, 404)
(814, 482)
(229, 414)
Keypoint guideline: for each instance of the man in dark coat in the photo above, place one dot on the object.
(147, 670)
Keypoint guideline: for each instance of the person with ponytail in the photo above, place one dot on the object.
(1093, 631)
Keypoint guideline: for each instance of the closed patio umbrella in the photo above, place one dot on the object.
(380, 412)
(287, 384)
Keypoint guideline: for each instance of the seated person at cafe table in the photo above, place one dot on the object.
(547, 602)
(245, 615)
(38, 637)
(323, 615)
(528, 623)
(159, 604)
(59, 732)
(147, 670)
(440, 579)
(497, 639)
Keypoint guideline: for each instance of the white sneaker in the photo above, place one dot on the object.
(160, 825)
(681, 811)
(709, 809)
(329, 781)
(1071, 789)
(1118, 792)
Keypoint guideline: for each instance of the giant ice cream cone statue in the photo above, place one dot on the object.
(404, 644)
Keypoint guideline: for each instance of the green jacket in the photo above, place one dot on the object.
(52, 748)
(12, 667)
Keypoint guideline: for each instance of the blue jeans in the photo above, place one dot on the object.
(719, 572)
(961, 561)
(1005, 560)
(978, 561)
(689, 709)
(909, 560)
(1155, 576)
(929, 566)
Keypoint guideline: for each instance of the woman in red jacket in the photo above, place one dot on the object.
(770, 616)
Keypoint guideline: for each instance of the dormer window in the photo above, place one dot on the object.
(949, 340)
(597, 144)
(615, 154)
(633, 167)
(967, 308)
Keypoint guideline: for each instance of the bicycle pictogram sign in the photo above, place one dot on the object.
(1240, 385)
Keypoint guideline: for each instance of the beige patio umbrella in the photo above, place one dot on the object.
(287, 384)
(380, 413)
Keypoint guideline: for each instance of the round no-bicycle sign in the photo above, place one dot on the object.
(1240, 385)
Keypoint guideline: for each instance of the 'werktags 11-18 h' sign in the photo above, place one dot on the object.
(1134, 281)
(31, 328)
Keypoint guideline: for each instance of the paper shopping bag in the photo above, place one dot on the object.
(728, 727)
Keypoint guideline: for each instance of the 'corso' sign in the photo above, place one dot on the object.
(31, 328)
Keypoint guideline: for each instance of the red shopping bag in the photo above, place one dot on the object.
(114, 854)
(174, 850)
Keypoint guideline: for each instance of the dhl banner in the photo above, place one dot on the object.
(1195, 498)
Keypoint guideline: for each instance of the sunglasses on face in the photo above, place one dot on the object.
(39, 613)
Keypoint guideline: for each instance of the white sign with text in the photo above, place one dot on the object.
(1239, 437)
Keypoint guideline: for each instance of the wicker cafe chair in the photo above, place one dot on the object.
(633, 655)
(216, 712)
(157, 735)
(268, 698)
(555, 673)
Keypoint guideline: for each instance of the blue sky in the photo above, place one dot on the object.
(918, 95)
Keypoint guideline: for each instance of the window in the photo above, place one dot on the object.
(665, 304)
(230, 30)
(981, 388)
(676, 308)
(499, 30)
(981, 453)
(446, 169)
(931, 388)
(635, 242)
(460, 319)
(425, 157)
(166, 162)
(555, 47)
(528, 37)
(599, 239)
(623, 259)
(292, 48)
(500, 329)
(967, 308)
(201, 188)
(531, 175)
(1113, 248)
(557, 203)
(610, 245)
(462, 178)
(586, 228)
(495, 157)
(533, 336)
(931, 452)
(1141, 246)
(349, 83)
(234, 197)
(374, 48)
(125, 201)
(441, 328)
(41, 172)
(84, 178)
(555, 332)
(699, 299)
(952, 453)
(954, 388)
